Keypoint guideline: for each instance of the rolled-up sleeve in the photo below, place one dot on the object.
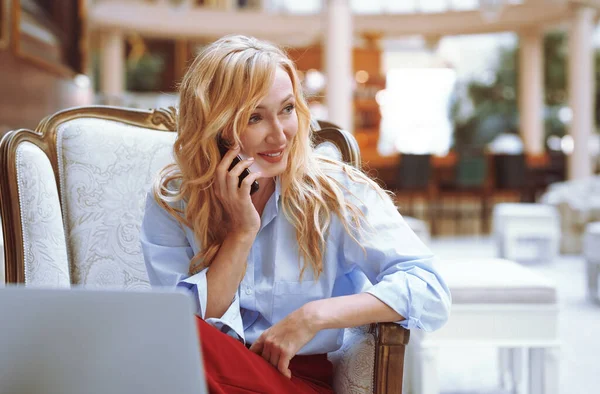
(167, 255)
(397, 262)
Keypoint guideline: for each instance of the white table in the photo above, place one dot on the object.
(497, 303)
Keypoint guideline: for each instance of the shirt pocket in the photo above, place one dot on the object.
(290, 296)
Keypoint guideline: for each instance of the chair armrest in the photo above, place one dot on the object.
(390, 345)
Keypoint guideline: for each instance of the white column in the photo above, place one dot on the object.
(531, 90)
(112, 67)
(228, 5)
(338, 62)
(581, 84)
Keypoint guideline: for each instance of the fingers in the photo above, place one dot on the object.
(257, 347)
(266, 353)
(226, 161)
(277, 355)
(284, 363)
(274, 356)
(241, 166)
(247, 182)
(233, 181)
(223, 169)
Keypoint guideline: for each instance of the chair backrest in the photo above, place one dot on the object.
(414, 172)
(510, 171)
(471, 170)
(73, 192)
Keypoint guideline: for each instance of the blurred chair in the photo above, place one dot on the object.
(556, 170)
(546, 169)
(527, 232)
(470, 183)
(511, 177)
(591, 252)
(578, 203)
(71, 199)
(414, 182)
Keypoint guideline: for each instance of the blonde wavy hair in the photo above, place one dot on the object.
(218, 94)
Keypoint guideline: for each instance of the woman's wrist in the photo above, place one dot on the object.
(242, 236)
(315, 315)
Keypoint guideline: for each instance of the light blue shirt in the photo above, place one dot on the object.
(395, 266)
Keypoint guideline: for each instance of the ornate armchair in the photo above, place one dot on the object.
(72, 197)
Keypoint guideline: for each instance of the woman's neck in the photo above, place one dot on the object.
(265, 190)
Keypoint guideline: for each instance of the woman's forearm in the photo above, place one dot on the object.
(350, 311)
(226, 272)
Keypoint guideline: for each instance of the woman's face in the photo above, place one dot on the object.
(271, 128)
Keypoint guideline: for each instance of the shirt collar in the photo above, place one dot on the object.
(272, 208)
(277, 190)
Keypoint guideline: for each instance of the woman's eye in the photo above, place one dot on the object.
(254, 119)
(289, 109)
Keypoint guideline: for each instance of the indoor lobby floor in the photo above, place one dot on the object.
(474, 371)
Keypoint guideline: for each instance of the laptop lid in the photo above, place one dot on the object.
(74, 341)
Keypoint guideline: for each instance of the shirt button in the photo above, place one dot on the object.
(248, 290)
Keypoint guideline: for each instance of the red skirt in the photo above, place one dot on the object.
(231, 368)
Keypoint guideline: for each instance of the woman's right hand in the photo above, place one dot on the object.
(243, 217)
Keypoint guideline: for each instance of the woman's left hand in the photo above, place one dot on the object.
(282, 341)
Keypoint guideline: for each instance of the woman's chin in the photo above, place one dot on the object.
(269, 170)
(271, 173)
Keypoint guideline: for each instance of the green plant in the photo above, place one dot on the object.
(145, 74)
(494, 105)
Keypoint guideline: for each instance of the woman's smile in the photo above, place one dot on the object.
(272, 156)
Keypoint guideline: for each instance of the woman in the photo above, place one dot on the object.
(280, 270)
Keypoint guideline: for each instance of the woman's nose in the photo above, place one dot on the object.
(277, 133)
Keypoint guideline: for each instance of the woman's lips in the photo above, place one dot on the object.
(272, 156)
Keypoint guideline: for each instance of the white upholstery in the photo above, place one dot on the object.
(591, 252)
(106, 170)
(527, 232)
(591, 242)
(495, 281)
(44, 243)
(328, 149)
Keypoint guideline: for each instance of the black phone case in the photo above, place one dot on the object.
(223, 149)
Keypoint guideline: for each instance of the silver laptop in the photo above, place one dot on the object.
(80, 341)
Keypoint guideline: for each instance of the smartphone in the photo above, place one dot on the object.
(223, 148)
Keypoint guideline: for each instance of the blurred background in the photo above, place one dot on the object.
(457, 105)
(488, 100)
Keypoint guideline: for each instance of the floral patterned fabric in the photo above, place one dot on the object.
(354, 362)
(44, 245)
(106, 169)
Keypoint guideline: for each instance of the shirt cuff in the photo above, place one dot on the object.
(407, 301)
(198, 285)
(231, 321)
